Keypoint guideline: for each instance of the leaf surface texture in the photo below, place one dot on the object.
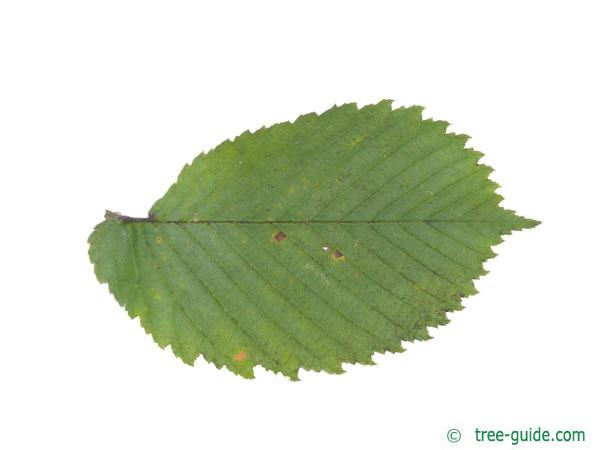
(309, 244)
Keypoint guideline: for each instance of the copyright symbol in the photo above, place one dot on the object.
(453, 435)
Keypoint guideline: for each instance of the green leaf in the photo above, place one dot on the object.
(309, 244)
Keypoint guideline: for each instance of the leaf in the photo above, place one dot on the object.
(309, 244)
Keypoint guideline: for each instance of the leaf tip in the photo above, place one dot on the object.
(529, 223)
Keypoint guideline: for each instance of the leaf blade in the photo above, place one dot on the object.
(309, 244)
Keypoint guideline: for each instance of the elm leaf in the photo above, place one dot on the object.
(309, 244)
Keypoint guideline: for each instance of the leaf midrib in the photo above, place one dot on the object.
(127, 219)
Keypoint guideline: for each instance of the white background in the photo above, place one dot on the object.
(101, 104)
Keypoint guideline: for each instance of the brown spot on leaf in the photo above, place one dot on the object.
(338, 256)
(240, 356)
(279, 236)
